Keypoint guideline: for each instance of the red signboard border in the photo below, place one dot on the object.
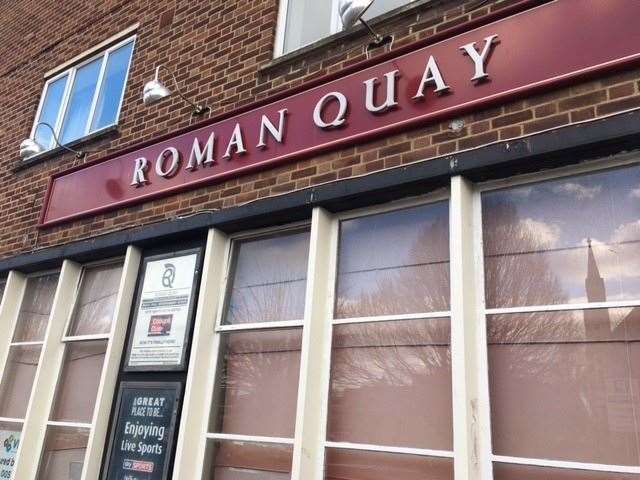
(359, 138)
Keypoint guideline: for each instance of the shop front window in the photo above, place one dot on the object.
(563, 326)
(253, 412)
(390, 410)
(85, 343)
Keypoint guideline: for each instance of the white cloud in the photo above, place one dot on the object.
(626, 232)
(635, 193)
(577, 190)
(546, 234)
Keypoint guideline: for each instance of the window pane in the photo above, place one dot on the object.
(49, 111)
(257, 390)
(77, 114)
(112, 86)
(503, 471)
(247, 461)
(537, 239)
(63, 453)
(10, 434)
(35, 308)
(17, 380)
(269, 279)
(79, 381)
(564, 385)
(307, 21)
(96, 300)
(391, 384)
(394, 263)
(383, 6)
(358, 465)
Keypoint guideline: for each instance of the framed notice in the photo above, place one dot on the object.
(141, 444)
(163, 313)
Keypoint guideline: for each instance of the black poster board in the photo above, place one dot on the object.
(141, 441)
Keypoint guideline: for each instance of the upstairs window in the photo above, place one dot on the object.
(303, 22)
(85, 98)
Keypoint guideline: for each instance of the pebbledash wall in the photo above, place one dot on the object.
(492, 334)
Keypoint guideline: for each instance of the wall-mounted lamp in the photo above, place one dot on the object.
(29, 147)
(352, 11)
(155, 90)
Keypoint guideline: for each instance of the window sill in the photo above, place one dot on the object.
(44, 156)
(355, 32)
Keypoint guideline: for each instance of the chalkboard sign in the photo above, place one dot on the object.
(142, 437)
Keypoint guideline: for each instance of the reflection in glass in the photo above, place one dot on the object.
(96, 301)
(63, 453)
(112, 85)
(79, 381)
(566, 385)
(247, 461)
(35, 308)
(299, 32)
(391, 384)
(50, 110)
(503, 471)
(380, 7)
(394, 263)
(80, 99)
(537, 238)
(360, 465)
(257, 388)
(17, 380)
(269, 278)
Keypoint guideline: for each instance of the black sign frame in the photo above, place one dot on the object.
(176, 387)
(182, 366)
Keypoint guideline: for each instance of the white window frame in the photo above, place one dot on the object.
(482, 371)
(71, 72)
(51, 360)
(335, 26)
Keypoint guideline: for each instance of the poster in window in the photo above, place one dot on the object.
(9, 441)
(142, 438)
(163, 313)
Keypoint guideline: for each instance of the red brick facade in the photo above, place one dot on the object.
(222, 54)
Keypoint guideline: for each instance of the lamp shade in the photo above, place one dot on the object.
(29, 148)
(351, 10)
(154, 91)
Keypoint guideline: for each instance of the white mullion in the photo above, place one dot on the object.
(392, 318)
(27, 344)
(227, 252)
(14, 291)
(260, 326)
(96, 93)
(482, 365)
(325, 377)
(281, 28)
(11, 420)
(53, 423)
(314, 366)
(111, 365)
(86, 338)
(46, 377)
(63, 105)
(203, 364)
(45, 90)
(422, 452)
(567, 465)
(231, 437)
(564, 307)
(465, 352)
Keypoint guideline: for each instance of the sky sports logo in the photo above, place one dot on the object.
(137, 466)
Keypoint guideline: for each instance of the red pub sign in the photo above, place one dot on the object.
(537, 48)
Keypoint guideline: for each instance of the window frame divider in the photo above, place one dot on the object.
(232, 437)
(421, 452)
(100, 420)
(566, 465)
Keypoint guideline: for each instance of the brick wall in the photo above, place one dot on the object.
(221, 52)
